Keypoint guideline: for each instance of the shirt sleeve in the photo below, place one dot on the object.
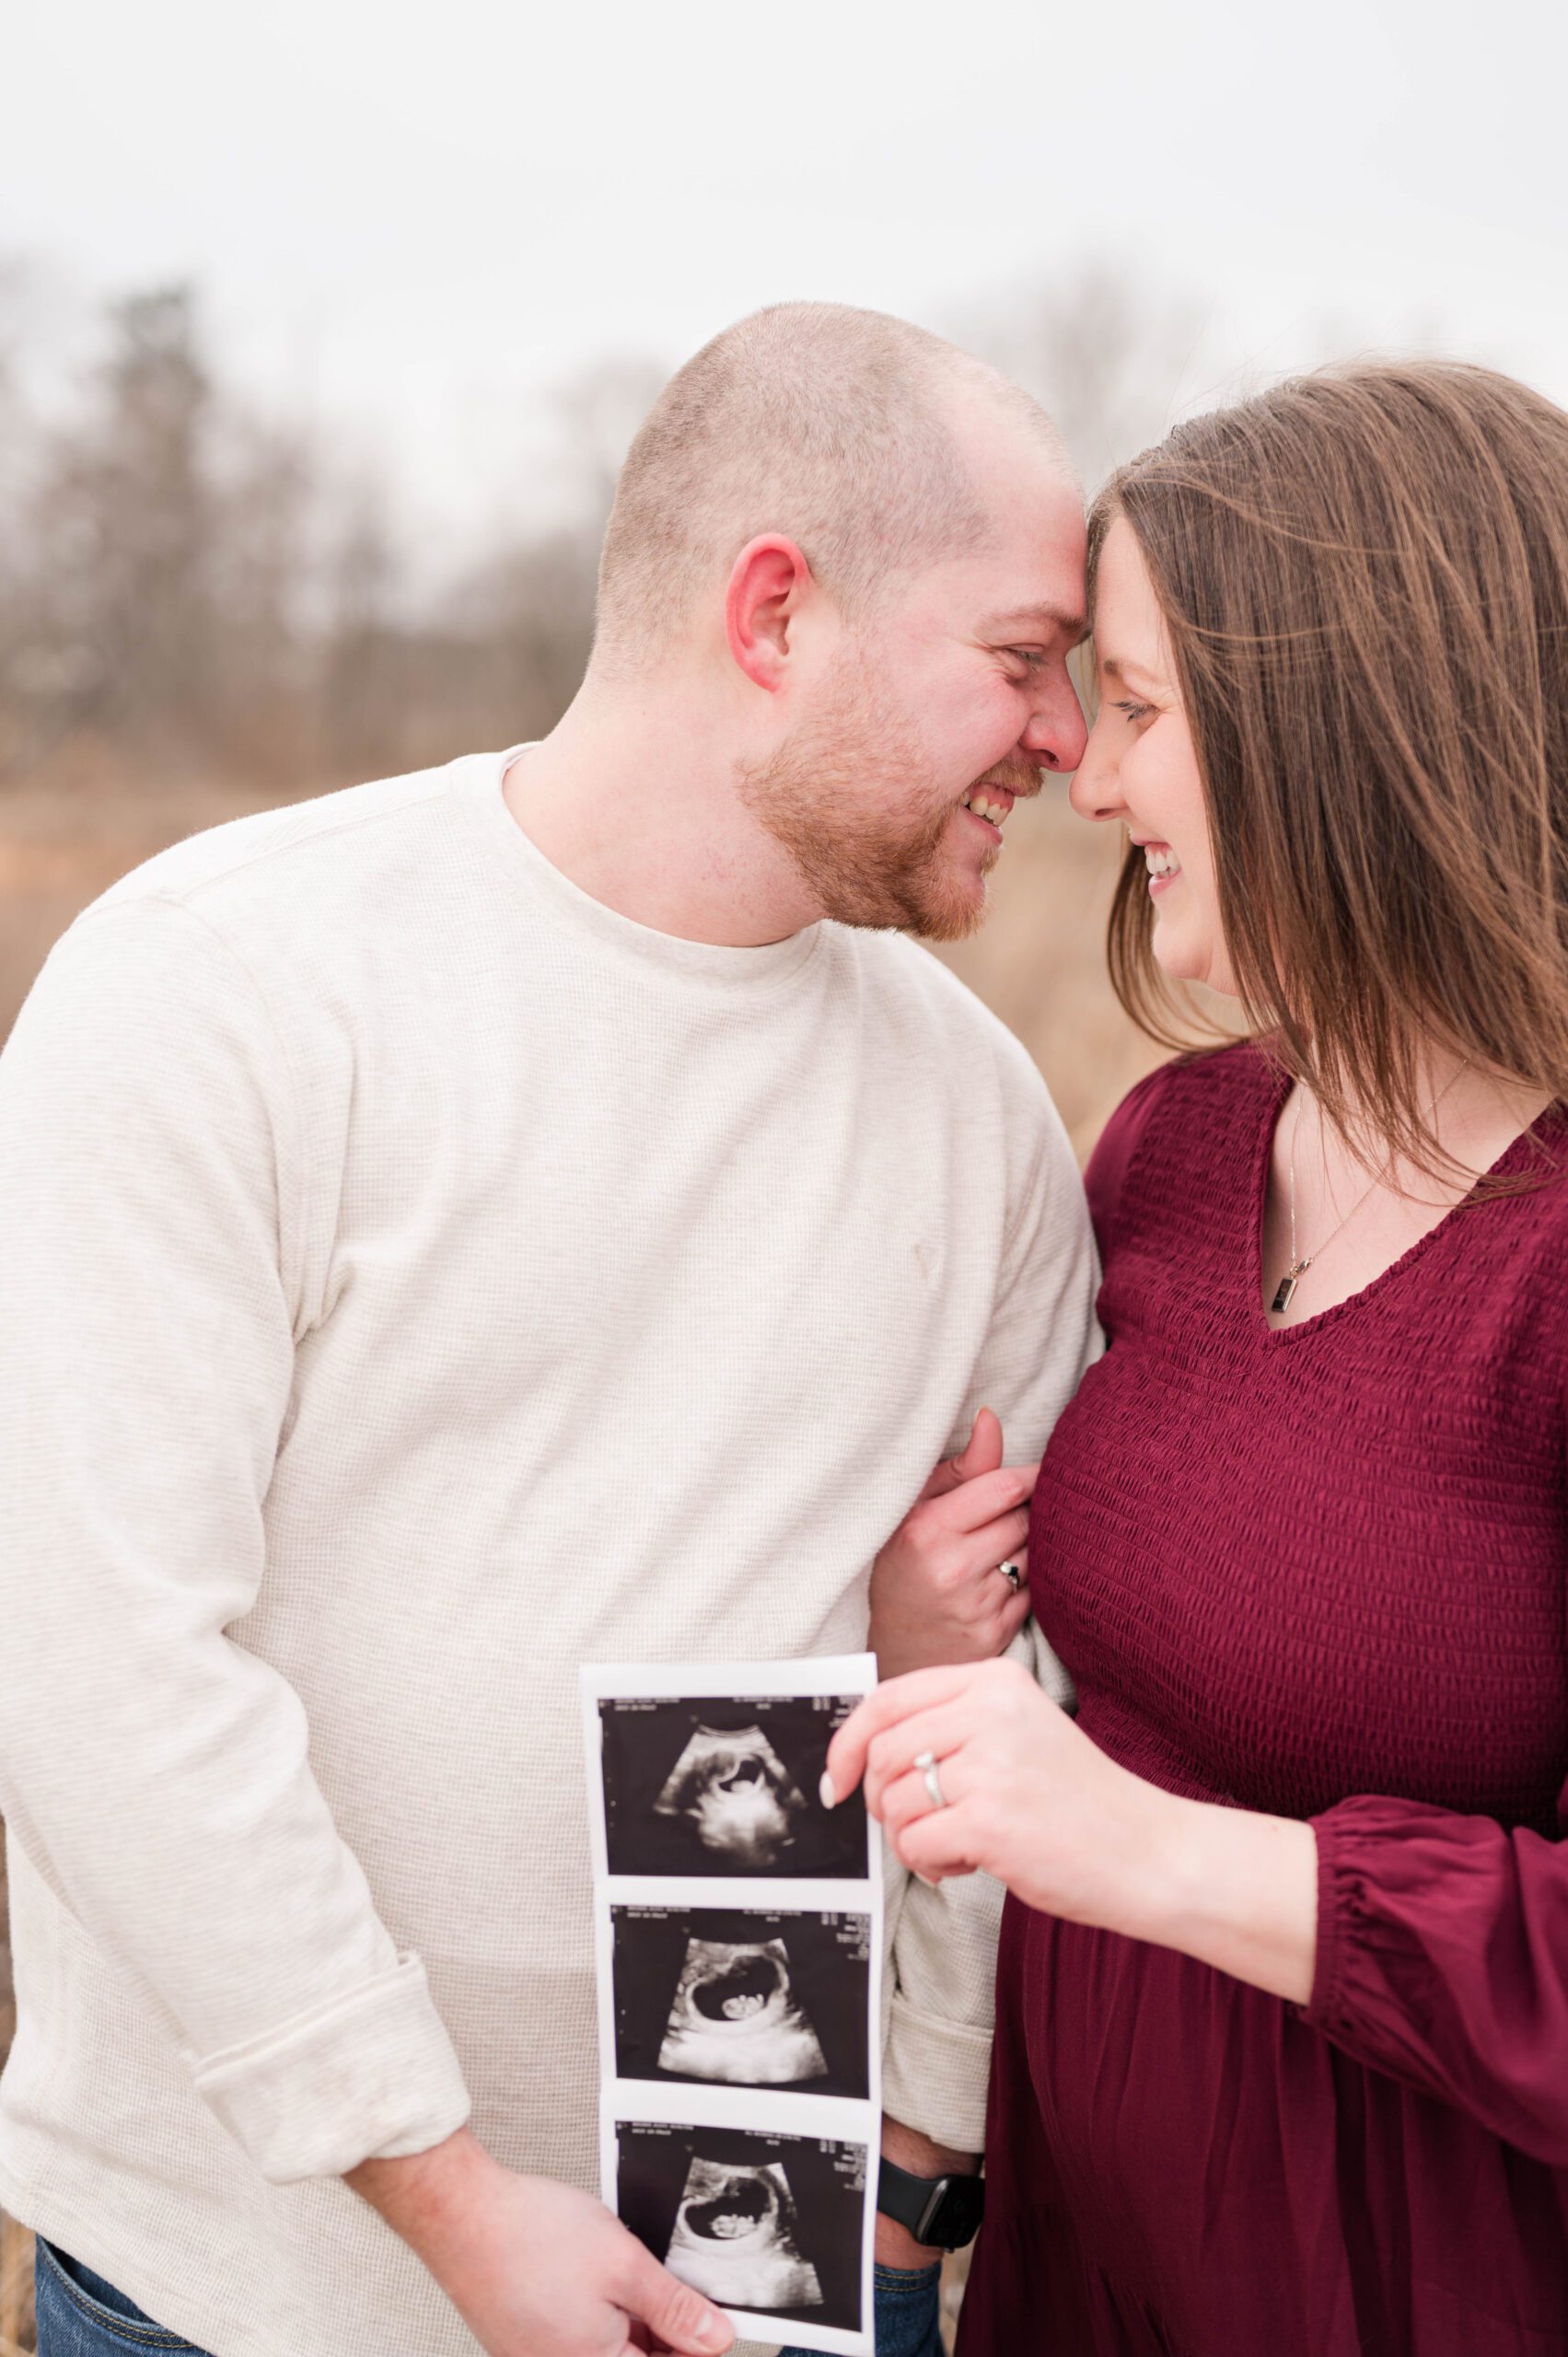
(157, 1776)
(1442, 1959)
(1042, 1335)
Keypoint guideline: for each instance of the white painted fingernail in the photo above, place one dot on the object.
(825, 1789)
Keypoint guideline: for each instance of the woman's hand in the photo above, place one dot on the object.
(1027, 1798)
(938, 1593)
(1030, 1799)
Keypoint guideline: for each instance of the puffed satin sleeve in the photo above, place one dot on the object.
(1443, 1959)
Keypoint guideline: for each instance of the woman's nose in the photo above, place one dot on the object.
(1094, 792)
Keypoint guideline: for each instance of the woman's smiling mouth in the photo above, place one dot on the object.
(1162, 863)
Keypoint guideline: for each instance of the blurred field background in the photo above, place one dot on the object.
(324, 331)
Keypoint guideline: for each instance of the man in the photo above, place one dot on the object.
(527, 1213)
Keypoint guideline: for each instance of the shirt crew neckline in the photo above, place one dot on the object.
(717, 962)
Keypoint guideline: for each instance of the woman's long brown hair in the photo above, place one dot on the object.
(1363, 576)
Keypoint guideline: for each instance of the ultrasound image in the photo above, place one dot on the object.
(737, 1998)
(737, 2239)
(770, 2224)
(735, 2018)
(739, 1796)
(705, 1787)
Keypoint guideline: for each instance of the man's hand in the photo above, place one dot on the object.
(533, 2268)
(907, 2149)
(936, 1593)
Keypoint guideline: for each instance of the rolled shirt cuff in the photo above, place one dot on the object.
(934, 2076)
(369, 2073)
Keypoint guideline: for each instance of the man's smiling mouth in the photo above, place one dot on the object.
(989, 802)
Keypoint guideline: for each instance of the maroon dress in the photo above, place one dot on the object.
(1320, 1572)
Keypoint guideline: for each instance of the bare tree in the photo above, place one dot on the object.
(127, 519)
(1109, 360)
(596, 415)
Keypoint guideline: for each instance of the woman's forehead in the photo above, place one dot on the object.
(1127, 626)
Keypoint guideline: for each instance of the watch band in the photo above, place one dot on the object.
(944, 2213)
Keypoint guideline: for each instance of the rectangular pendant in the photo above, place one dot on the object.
(1281, 1301)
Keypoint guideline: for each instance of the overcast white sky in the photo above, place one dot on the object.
(409, 219)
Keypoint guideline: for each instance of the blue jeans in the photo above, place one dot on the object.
(909, 2311)
(81, 2315)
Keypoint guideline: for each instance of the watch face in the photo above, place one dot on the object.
(960, 2207)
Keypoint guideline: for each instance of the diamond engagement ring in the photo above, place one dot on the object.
(926, 1762)
(1012, 1575)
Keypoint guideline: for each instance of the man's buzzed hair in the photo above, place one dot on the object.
(829, 425)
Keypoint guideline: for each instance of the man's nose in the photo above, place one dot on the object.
(1056, 734)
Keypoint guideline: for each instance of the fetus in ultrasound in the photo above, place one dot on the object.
(735, 2018)
(737, 2239)
(741, 1800)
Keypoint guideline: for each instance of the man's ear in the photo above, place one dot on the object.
(766, 584)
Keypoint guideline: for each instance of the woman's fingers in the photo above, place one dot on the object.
(940, 1843)
(993, 1608)
(969, 1561)
(1014, 1614)
(1006, 1540)
(982, 1453)
(985, 1499)
(996, 1542)
(931, 1842)
(886, 1706)
(942, 1731)
(906, 1800)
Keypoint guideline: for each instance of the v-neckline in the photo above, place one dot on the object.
(1279, 1093)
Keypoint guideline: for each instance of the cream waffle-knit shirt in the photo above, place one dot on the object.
(416, 1279)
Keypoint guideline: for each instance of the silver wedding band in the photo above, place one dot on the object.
(926, 1762)
(1012, 1574)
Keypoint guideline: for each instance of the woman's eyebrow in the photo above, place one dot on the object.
(1116, 667)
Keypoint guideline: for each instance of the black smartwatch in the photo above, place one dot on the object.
(942, 2212)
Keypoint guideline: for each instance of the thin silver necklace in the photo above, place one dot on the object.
(1301, 1261)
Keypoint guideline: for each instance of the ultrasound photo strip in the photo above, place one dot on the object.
(740, 1932)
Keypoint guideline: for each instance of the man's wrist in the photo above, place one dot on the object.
(895, 2247)
(428, 2198)
(909, 2150)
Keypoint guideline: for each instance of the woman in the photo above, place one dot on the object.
(1282, 2059)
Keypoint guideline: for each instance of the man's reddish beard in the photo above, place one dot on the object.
(841, 797)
